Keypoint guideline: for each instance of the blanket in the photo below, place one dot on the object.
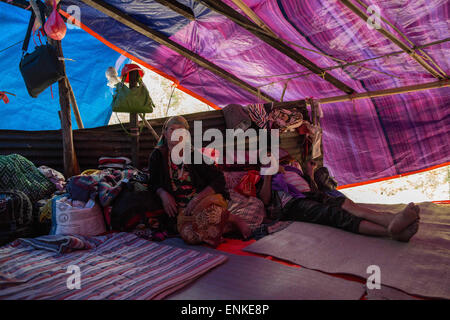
(120, 267)
(18, 173)
(107, 185)
(59, 243)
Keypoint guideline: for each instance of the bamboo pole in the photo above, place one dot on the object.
(253, 16)
(279, 45)
(372, 94)
(134, 130)
(360, 13)
(425, 55)
(149, 127)
(179, 8)
(74, 104)
(71, 166)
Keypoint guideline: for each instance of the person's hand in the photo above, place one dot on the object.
(310, 167)
(169, 204)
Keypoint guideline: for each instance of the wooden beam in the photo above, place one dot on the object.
(372, 94)
(179, 8)
(275, 43)
(71, 167)
(18, 3)
(253, 16)
(149, 127)
(410, 51)
(74, 104)
(134, 130)
(157, 36)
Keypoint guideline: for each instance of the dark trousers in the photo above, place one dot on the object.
(321, 209)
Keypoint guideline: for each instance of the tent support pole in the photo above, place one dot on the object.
(71, 166)
(394, 39)
(372, 94)
(236, 17)
(179, 8)
(74, 104)
(157, 36)
(134, 129)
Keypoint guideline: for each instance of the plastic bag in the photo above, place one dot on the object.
(247, 185)
(71, 217)
(55, 27)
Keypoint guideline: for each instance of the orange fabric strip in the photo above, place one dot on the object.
(392, 177)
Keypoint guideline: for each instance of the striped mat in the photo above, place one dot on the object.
(122, 267)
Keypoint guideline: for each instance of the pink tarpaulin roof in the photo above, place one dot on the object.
(364, 139)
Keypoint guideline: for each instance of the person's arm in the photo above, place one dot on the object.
(154, 170)
(310, 167)
(156, 184)
(265, 194)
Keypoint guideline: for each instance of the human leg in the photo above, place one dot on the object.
(395, 223)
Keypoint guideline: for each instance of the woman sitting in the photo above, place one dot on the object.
(193, 195)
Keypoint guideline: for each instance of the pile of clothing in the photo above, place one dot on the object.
(266, 116)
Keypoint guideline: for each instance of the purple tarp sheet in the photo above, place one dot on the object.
(363, 140)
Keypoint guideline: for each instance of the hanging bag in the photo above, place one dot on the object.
(55, 27)
(132, 100)
(42, 67)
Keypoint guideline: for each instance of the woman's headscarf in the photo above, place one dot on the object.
(179, 120)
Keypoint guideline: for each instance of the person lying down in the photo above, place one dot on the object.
(301, 200)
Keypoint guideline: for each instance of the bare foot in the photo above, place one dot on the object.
(408, 233)
(404, 218)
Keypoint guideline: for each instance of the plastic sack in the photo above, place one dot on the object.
(247, 185)
(55, 27)
(69, 219)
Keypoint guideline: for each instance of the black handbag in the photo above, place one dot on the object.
(42, 67)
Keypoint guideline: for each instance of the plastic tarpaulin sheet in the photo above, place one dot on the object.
(86, 74)
(363, 140)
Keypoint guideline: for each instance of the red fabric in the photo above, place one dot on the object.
(4, 97)
(130, 67)
(112, 160)
(247, 185)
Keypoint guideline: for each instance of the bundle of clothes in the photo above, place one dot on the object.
(287, 119)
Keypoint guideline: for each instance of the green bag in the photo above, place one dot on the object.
(135, 100)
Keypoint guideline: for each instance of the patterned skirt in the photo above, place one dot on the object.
(207, 222)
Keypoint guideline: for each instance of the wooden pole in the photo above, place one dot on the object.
(134, 139)
(71, 167)
(179, 8)
(253, 16)
(394, 39)
(159, 37)
(74, 104)
(372, 94)
(230, 13)
(149, 127)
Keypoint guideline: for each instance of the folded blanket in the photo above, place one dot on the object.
(107, 185)
(59, 243)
